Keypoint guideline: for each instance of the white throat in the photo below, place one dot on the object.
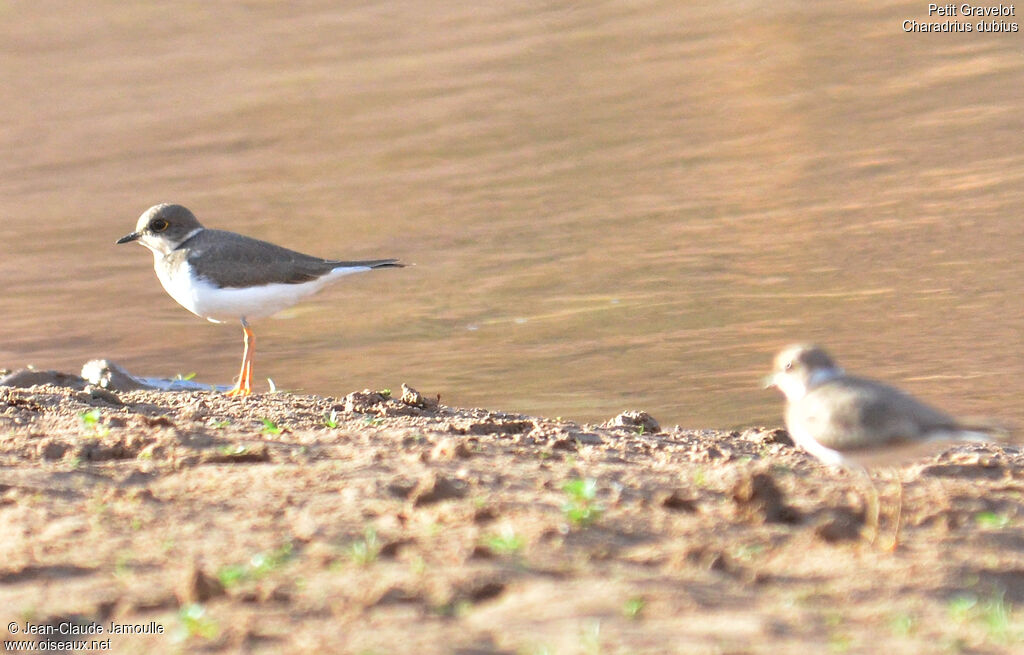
(161, 245)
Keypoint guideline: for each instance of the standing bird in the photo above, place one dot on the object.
(856, 423)
(223, 276)
(844, 420)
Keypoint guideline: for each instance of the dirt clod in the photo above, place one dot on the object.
(678, 501)
(565, 443)
(363, 402)
(237, 454)
(199, 587)
(758, 498)
(401, 487)
(448, 449)
(766, 436)
(486, 590)
(414, 398)
(52, 449)
(840, 524)
(636, 420)
(434, 488)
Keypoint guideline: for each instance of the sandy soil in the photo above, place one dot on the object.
(388, 524)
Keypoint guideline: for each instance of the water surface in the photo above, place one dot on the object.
(610, 205)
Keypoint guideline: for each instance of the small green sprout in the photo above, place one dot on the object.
(263, 563)
(590, 637)
(633, 607)
(232, 574)
(365, 551)
(992, 520)
(195, 623)
(902, 624)
(506, 542)
(454, 609)
(747, 552)
(996, 615)
(184, 378)
(91, 422)
(123, 565)
(581, 506)
(269, 427)
(418, 565)
(258, 566)
(960, 607)
(331, 420)
(994, 612)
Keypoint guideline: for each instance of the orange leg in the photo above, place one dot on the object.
(244, 385)
(899, 514)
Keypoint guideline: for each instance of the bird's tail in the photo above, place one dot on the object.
(370, 263)
(983, 429)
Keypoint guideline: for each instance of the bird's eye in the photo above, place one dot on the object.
(789, 366)
(159, 225)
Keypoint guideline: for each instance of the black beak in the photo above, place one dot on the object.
(129, 237)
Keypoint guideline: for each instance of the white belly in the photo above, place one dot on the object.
(802, 437)
(221, 305)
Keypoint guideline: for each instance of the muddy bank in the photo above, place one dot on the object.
(387, 522)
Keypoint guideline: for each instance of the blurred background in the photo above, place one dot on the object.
(610, 205)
